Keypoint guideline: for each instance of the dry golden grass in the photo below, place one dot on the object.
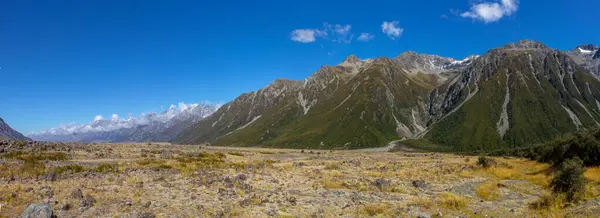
(592, 174)
(488, 190)
(425, 203)
(452, 201)
(333, 184)
(374, 209)
(548, 205)
(190, 176)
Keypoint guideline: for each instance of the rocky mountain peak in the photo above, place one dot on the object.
(588, 47)
(352, 59)
(597, 55)
(526, 44)
(423, 63)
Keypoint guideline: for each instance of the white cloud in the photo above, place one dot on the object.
(98, 117)
(114, 117)
(334, 32)
(365, 37)
(303, 35)
(492, 11)
(392, 29)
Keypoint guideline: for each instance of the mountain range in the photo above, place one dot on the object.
(154, 127)
(8, 133)
(514, 95)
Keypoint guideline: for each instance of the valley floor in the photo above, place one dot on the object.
(163, 180)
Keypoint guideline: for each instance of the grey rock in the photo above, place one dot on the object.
(382, 184)
(37, 211)
(77, 194)
(144, 214)
(423, 215)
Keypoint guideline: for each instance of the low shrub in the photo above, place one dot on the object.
(485, 162)
(569, 180)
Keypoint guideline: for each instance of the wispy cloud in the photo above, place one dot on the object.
(392, 29)
(491, 11)
(365, 37)
(333, 32)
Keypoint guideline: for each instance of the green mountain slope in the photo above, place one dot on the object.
(519, 94)
(352, 105)
(368, 110)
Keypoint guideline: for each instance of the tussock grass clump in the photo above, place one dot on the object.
(333, 166)
(549, 203)
(333, 184)
(374, 209)
(105, 168)
(452, 201)
(425, 203)
(488, 190)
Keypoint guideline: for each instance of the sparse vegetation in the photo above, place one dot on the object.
(236, 154)
(72, 168)
(36, 156)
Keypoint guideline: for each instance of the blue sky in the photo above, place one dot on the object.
(68, 61)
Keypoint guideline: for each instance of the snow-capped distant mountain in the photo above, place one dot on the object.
(148, 127)
(587, 56)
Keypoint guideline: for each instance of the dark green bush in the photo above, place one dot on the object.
(584, 145)
(485, 162)
(570, 180)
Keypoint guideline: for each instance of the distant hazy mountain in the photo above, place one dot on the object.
(148, 127)
(7, 133)
(514, 95)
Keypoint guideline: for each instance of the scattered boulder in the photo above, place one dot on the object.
(246, 202)
(382, 184)
(299, 164)
(144, 214)
(28, 189)
(423, 215)
(37, 211)
(87, 202)
(49, 176)
(292, 200)
(420, 184)
(77, 194)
